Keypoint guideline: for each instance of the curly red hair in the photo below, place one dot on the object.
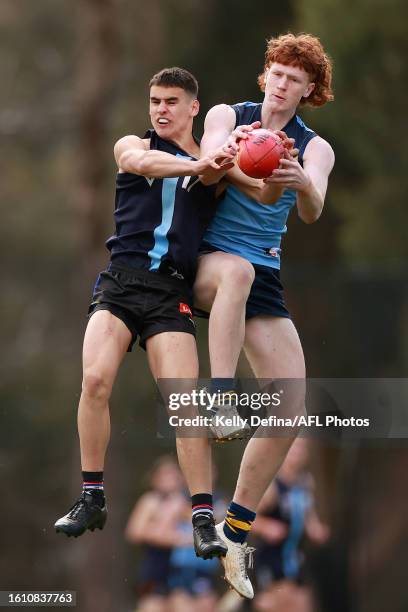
(304, 51)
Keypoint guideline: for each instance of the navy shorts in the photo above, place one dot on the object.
(147, 302)
(266, 296)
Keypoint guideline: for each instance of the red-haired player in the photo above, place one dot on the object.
(239, 268)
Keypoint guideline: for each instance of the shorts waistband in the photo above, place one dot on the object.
(149, 274)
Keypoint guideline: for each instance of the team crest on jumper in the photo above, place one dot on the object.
(272, 252)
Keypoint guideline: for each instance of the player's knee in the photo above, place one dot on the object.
(245, 274)
(240, 272)
(204, 294)
(96, 386)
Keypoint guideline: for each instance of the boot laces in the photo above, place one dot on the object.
(77, 508)
(207, 531)
(247, 551)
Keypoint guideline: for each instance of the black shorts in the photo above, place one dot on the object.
(266, 296)
(147, 302)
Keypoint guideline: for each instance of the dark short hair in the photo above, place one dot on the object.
(176, 77)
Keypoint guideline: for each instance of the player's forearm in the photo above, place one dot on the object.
(211, 177)
(262, 193)
(250, 186)
(309, 203)
(157, 164)
(270, 194)
(209, 143)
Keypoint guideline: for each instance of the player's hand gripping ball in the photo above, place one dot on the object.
(260, 153)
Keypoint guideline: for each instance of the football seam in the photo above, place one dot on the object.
(265, 155)
(256, 162)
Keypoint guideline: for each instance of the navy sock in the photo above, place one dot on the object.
(222, 384)
(202, 506)
(238, 522)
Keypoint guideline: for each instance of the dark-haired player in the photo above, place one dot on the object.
(161, 212)
(244, 241)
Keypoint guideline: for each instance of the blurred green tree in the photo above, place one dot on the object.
(367, 123)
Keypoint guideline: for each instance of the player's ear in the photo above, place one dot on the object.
(309, 90)
(264, 78)
(195, 107)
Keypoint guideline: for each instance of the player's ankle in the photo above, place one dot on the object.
(238, 523)
(201, 506)
(222, 385)
(93, 484)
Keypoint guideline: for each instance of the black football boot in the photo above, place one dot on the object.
(207, 543)
(84, 514)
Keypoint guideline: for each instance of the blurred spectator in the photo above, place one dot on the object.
(191, 579)
(153, 523)
(285, 515)
(171, 578)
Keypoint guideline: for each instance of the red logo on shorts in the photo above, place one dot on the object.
(185, 309)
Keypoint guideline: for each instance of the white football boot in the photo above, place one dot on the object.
(227, 424)
(235, 564)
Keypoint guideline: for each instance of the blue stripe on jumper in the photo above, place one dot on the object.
(161, 243)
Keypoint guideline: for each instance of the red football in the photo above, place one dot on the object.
(260, 153)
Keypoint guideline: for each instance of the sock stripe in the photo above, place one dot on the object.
(238, 522)
(246, 526)
(235, 510)
(201, 506)
(206, 511)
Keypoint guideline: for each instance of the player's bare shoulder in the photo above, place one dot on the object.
(220, 114)
(318, 150)
(127, 144)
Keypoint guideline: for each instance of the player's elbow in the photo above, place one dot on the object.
(131, 161)
(310, 210)
(208, 180)
(310, 216)
(267, 201)
(267, 197)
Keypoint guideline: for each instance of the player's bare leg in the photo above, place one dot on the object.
(222, 287)
(273, 349)
(173, 356)
(106, 341)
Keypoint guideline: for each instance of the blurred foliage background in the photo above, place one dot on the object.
(73, 80)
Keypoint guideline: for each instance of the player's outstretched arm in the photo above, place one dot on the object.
(270, 192)
(261, 190)
(133, 155)
(318, 162)
(310, 182)
(220, 138)
(218, 125)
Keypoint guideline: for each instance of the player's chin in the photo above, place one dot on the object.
(163, 129)
(279, 104)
